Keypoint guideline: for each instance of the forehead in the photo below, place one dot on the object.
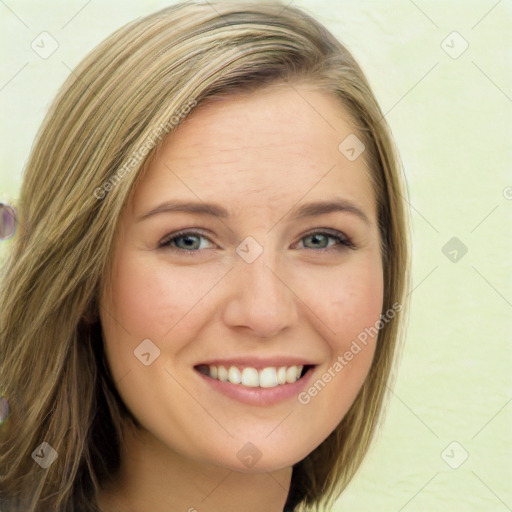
(267, 149)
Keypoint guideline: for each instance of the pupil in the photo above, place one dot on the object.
(316, 238)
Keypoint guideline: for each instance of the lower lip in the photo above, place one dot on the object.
(257, 395)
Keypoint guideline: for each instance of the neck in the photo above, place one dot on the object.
(153, 478)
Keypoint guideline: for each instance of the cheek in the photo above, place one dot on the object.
(350, 306)
(149, 299)
(349, 300)
(357, 305)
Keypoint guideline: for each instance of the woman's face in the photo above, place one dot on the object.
(228, 258)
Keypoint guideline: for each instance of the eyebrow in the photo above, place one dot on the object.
(311, 209)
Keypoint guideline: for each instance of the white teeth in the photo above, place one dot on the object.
(291, 374)
(222, 374)
(269, 377)
(250, 377)
(234, 375)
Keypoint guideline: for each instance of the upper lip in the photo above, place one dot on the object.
(258, 363)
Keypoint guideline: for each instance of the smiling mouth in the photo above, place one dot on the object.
(269, 377)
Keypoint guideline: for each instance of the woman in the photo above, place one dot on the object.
(249, 372)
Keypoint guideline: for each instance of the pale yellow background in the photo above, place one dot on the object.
(452, 121)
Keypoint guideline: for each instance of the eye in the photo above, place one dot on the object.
(184, 242)
(320, 240)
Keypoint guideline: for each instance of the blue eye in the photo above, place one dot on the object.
(189, 242)
(321, 236)
(188, 238)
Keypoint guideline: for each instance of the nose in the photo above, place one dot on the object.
(261, 300)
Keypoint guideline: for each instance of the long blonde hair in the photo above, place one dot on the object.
(98, 137)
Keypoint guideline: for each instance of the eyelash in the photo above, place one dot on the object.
(343, 242)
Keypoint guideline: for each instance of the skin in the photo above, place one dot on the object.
(258, 155)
